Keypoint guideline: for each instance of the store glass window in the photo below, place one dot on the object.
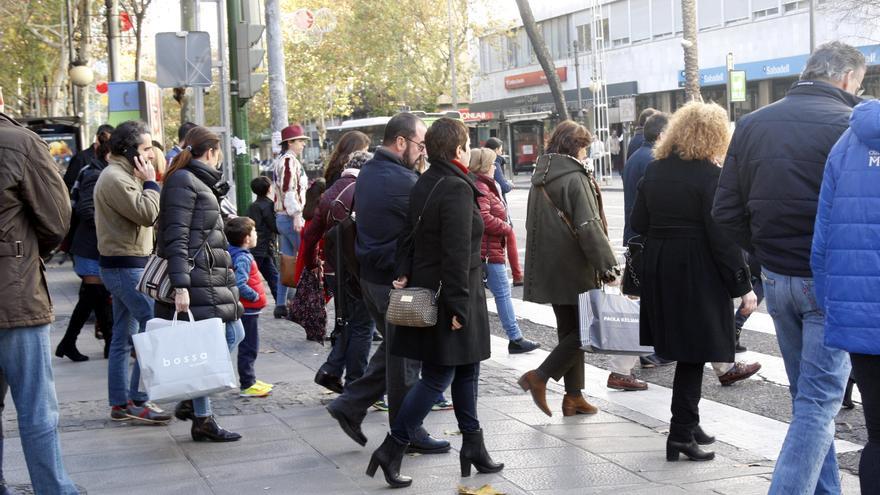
(619, 23)
(640, 20)
(709, 13)
(661, 16)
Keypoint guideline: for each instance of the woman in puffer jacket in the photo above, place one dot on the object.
(494, 214)
(846, 241)
(190, 236)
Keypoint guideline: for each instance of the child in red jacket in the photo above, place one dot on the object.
(241, 233)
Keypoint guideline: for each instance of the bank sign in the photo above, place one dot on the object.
(770, 69)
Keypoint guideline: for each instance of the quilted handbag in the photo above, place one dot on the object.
(156, 283)
(413, 307)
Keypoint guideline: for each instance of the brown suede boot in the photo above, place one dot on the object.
(532, 382)
(576, 404)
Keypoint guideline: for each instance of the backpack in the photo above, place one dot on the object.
(345, 230)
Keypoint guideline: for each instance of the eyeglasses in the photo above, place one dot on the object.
(420, 146)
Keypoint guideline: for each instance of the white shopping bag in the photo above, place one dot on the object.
(182, 360)
(609, 323)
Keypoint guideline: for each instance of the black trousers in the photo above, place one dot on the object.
(687, 388)
(867, 370)
(566, 360)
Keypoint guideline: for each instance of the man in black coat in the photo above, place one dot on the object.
(85, 156)
(767, 199)
(639, 135)
(381, 206)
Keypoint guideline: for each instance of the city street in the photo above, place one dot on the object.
(291, 445)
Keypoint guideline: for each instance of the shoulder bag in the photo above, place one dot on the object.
(155, 282)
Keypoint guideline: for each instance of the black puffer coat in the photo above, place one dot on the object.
(190, 229)
(85, 239)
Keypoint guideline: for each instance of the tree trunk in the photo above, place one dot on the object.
(691, 62)
(85, 19)
(543, 55)
(138, 43)
(275, 55)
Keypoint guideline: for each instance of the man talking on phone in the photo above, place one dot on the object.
(126, 207)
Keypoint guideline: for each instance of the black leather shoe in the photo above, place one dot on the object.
(701, 437)
(280, 312)
(389, 456)
(473, 451)
(847, 395)
(328, 381)
(422, 443)
(351, 428)
(70, 351)
(691, 450)
(207, 430)
(184, 411)
(521, 346)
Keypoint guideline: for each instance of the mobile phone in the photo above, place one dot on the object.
(130, 154)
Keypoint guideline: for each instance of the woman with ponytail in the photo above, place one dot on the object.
(190, 236)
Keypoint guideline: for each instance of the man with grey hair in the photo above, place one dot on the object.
(766, 199)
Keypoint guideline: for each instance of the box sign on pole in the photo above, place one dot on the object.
(185, 60)
(136, 100)
(737, 85)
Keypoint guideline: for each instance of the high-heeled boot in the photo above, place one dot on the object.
(185, 411)
(533, 382)
(207, 430)
(473, 451)
(681, 441)
(701, 437)
(388, 456)
(573, 404)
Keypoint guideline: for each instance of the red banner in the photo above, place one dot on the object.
(530, 79)
(468, 116)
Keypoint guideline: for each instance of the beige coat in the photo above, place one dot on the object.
(125, 211)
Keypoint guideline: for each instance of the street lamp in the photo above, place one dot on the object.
(80, 74)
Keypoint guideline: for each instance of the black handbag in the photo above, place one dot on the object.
(634, 272)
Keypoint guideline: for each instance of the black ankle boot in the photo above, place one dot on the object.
(690, 449)
(847, 394)
(389, 455)
(701, 437)
(68, 349)
(473, 451)
(207, 430)
(184, 411)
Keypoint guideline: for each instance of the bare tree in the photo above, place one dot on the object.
(137, 9)
(689, 43)
(543, 55)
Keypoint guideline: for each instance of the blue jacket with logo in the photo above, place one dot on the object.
(846, 241)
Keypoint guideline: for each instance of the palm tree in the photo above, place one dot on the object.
(543, 55)
(689, 43)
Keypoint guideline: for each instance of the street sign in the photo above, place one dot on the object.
(737, 85)
(627, 109)
(184, 59)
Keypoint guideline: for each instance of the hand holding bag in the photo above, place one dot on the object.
(183, 360)
(414, 306)
(609, 323)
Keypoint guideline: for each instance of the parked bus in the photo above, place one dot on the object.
(374, 127)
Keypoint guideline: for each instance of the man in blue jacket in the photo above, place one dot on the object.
(381, 204)
(766, 200)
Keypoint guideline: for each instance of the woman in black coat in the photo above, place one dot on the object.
(442, 253)
(691, 270)
(190, 236)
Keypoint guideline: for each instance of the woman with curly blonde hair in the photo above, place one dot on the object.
(691, 270)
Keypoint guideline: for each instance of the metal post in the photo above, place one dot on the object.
(277, 76)
(225, 97)
(812, 25)
(729, 86)
(577, 76)
(113, 37)
(198, 93)
(452, 57)
(243, 172)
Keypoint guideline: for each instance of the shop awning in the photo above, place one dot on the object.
(522, 117)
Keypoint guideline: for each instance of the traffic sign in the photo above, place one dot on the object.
(184, 59)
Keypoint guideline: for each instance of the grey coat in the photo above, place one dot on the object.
(561, 263)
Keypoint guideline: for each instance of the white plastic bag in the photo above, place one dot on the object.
(609, 323)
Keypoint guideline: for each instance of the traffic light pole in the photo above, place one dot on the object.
(243, 167)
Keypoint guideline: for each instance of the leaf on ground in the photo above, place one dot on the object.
(268, 351)
(451, 432)
(483, 490)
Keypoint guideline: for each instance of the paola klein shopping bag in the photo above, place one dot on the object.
(184, 359)
(609, 323)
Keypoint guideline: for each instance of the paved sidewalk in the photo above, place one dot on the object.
(291, 445)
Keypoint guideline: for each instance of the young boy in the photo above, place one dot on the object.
(262, 212)
(242, 235)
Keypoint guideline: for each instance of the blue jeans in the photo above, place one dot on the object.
(131, 310)
(248, 349)
(26, 361)
(234, 335)
(352, 348)
(500, 287)
(288, 238)
(818, 375)
(435, 379)
(266, 265)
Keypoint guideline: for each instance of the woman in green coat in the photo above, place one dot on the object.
(567, 253)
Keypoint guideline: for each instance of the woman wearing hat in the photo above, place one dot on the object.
(291, 184)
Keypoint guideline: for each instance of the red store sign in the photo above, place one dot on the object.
(530, 79)
(468, 116)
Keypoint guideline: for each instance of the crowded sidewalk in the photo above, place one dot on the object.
(291, 445)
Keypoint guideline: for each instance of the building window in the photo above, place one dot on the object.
(585, 35)
(557, 36)
(789, 6)
(709, 14)
(677, 16)
(619, 23)
(640, 20)
(764, 8)
(493, 53)
(661, 18)
(735, 11)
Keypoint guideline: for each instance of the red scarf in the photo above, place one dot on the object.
(461, 167)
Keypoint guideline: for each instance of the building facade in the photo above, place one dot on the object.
(768, 39)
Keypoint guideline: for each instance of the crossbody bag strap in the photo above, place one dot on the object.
(425, 205)
(560, 213)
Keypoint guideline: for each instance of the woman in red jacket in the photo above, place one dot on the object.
(482, 164)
